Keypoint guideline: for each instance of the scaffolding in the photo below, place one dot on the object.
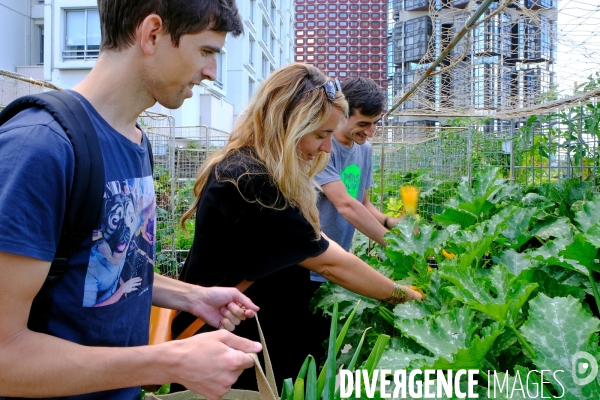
(506, 83)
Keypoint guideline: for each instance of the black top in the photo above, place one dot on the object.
(243, 231)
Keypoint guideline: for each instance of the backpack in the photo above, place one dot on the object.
(84, 204)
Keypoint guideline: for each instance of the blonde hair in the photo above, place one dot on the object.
(283, 111)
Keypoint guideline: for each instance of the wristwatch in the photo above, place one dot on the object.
(398, 295)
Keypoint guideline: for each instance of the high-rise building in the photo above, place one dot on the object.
(504, 63)
(344, 38)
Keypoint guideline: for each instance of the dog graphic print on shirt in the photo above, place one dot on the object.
(122, 255)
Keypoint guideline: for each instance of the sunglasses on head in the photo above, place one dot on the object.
(331, 87)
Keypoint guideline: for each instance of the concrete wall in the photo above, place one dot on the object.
(15, 31)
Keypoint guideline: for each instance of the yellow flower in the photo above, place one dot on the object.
(447, 254)
(410, 198)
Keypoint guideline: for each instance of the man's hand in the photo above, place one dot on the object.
(391, 222)
(222, 307)
(211, 362)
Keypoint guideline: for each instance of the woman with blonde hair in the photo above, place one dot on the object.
(257, 220)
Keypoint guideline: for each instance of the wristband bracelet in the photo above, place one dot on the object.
(398, 295)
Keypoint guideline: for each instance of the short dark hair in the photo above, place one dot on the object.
(120, 18)
(363, 95)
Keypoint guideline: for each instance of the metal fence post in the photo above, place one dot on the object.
(511, 170)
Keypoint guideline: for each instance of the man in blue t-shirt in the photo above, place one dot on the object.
(344, 204)
(95, 346)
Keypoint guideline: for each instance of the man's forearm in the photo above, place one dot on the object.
(171, 293)
(39, 365)
(358, 216)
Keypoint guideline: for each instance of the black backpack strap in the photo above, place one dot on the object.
(84, 203)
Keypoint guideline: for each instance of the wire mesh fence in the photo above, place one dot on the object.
(178, 154)
(530, 150)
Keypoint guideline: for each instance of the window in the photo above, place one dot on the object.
(266, 67)
(273, 43)
(251, 50)
(250, 87)
(273, 12)
(252, 5)
(265, 32)
(41, 39)
(82, 38)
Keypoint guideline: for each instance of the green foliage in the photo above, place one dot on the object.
(557, 329)
(519, 294)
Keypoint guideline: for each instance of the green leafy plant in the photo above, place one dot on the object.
(516, 288)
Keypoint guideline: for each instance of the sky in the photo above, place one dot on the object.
(578, 42)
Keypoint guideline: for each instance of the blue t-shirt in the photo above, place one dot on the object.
(104, 299)
(353, 167)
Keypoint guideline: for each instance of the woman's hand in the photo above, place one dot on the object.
(412, 294)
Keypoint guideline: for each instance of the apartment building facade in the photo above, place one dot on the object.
(505, 62)
(344, 38)
(58, 41)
